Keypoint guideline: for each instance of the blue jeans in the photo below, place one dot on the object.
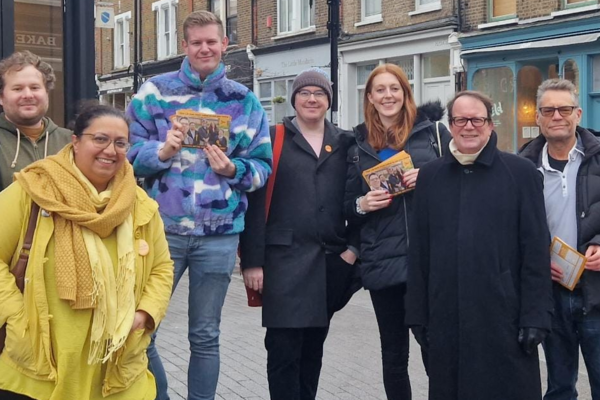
(571, 329)
(211, 260)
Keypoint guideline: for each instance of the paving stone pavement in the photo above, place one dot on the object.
(351, 364)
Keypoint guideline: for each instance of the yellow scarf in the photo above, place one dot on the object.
(85, 275)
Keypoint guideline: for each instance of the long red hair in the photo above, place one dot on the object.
(396, 137)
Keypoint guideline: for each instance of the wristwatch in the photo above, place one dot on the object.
(359, 210)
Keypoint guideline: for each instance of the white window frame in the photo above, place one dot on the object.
(296, 22)
(123, 19)
(161, 44)
(423, 8)
(371, 18)
(224, 14)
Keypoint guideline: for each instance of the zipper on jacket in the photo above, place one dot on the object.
(406, 222)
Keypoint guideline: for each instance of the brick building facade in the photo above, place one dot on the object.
(509, 47)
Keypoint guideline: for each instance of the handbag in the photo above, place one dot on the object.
(21, 267)
(254, 296)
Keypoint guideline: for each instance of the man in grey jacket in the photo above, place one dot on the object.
(26, 135)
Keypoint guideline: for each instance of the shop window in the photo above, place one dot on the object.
(498, 84)
(427, 5)
(166, 27)
(571, 73)
(370, 10)
(121, 40)
(529, 79)
(553, 71)
(228, 15)
(274, 96)
(436, 65)
(362, 74)
(502, 9)
(295, 15)
(578, 3)
(596, 73)
(407, 64)
(39, 29)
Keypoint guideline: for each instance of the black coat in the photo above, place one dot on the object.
(384, 233)
(480, 270)
(587, 205)
(305, 222)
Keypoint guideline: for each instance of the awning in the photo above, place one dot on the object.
(555, 42)
(125, 89)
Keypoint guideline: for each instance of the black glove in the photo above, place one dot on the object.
(529, 338)
(421, 334)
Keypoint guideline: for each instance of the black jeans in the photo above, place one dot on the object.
(4, 395)
(294, 355)
(388, 304)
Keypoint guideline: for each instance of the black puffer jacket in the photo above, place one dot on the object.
(587, 204)
(384, 233)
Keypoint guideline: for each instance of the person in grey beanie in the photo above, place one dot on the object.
(302, 257)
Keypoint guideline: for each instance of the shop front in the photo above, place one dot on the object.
(62, 33)
(424, 56)
(275, 69)
(509, 67)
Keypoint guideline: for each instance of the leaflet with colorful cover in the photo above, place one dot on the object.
(388, 174)
(569, 260)
(201, 130)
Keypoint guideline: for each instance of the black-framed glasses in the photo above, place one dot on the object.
(564, 111)
(475, 121)
(102, 141)
(305, 94)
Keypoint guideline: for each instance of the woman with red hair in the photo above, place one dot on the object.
(393, 123)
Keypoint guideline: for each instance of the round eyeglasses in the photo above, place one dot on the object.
(477, 122)
(102, 142)
(305, 94)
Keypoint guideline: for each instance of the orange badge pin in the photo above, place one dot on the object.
(328, 148)
(143, 247)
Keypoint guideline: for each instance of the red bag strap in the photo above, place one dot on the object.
(277, 147)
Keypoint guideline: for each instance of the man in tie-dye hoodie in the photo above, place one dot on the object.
(201, 192)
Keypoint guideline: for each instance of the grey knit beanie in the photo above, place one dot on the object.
(312, 77)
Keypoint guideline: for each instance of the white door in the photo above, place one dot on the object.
(438, 89)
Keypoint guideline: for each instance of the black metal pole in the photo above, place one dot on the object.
(137, 53)
(79, 61)
(333, 25)
(7, 28)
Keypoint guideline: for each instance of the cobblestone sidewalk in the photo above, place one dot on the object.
(351, 364)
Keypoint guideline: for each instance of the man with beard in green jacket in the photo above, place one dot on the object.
(26, 135)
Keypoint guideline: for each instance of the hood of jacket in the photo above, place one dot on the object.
(427, 114)
(532, 150)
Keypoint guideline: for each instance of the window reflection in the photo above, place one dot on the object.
(498, 84)
(39, 29)
(571, 73)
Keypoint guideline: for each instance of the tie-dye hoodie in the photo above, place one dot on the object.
(193, 199)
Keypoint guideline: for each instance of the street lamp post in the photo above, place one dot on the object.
(137, 47)
(333, 26)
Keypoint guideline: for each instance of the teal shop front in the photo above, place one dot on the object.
(510, 65)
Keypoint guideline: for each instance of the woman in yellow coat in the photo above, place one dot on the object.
(99, 276)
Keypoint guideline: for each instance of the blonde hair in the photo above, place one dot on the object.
(201, 18)
(396, 137)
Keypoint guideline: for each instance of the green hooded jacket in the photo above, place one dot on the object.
(17, 151)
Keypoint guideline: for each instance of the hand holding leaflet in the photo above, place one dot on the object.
(569, 260)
